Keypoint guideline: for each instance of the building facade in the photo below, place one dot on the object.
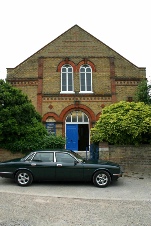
(70, 81)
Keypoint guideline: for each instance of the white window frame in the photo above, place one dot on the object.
(85, 66)
(77, 121)
(67, 74)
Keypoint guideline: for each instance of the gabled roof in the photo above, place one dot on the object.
(75, 42)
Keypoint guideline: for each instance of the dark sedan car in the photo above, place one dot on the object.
(59, 165)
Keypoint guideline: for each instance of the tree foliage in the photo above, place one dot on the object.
(143, 93)
(36, 143)
(124, 123)
(20, 124)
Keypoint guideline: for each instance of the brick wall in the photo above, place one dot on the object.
(6, 155)
(132, 158)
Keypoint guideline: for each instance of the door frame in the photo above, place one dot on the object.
(83, 122)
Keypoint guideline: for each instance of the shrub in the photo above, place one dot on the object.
(35, 143)
(124, 123)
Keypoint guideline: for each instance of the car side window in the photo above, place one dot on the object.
(43, 157)
(64, 158)
(29, 158)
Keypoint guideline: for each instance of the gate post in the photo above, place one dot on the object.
(104, 152)
(94, 151)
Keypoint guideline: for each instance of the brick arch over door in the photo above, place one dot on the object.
(80, 107)
(68, 109)
(74, 107)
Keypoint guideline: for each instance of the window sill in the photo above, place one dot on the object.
(85, 92)
(66, 92)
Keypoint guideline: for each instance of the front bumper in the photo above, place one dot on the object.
(118, 174)
(115, 176)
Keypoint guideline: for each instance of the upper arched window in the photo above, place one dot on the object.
(85, 78)
(67, 78)
(77, 117)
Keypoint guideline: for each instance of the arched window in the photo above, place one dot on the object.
(66, 78)
(85, 78)
(77, 117)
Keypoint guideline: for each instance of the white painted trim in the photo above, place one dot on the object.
(85, 92)
(67, 92)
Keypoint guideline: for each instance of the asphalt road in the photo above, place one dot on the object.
(125, 202)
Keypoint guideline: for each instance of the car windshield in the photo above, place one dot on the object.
(79, 157)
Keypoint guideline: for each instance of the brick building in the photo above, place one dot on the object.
(71, 79)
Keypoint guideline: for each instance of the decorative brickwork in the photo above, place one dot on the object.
(26, 83)
(66, 61)
(126, 83)
(112, 76)
(94, 99)
(40, 85)
(86, 61)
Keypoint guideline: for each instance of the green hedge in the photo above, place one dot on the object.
(34, 143)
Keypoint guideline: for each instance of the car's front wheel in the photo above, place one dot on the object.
(23, 178)
(101, 179)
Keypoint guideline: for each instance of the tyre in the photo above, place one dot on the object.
(23, 178)
(101, 179)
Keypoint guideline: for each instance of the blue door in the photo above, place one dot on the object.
(72, 137)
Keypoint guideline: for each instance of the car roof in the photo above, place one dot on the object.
(52, 150)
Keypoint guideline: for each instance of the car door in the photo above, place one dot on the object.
(67, 168)
(43, 166)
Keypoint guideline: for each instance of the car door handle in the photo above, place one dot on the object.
(59, 165)
(33, 164)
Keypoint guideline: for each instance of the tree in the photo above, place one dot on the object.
(143, 93)
(124, 123)
(21, 128)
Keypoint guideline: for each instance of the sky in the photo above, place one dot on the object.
(28, 25)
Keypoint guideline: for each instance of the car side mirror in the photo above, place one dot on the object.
(75, 162)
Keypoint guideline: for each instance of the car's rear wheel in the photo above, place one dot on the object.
(101, 179)
(23, 178)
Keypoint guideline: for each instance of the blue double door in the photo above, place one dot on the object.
(77, 137)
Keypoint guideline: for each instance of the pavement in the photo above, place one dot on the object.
(126, 188)
(125, 202)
